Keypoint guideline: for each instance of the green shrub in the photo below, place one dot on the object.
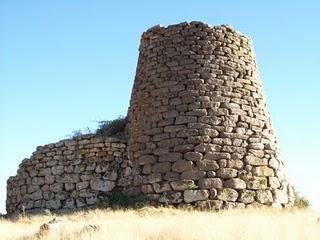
(120, 200)
(112, 128)
(300, 201)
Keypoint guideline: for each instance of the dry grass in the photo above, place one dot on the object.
(165, 223)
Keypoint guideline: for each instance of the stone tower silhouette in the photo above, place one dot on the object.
(199, 130)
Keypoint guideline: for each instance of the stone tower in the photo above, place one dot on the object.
(199, 130)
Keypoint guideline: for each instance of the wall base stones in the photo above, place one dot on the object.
(199, 134)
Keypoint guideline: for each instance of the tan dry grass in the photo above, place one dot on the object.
(166, 223)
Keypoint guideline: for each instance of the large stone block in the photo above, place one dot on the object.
(102, 185)
(195, 195)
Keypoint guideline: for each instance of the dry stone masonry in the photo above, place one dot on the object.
(69, 174)
(198, 124)
(199, 134)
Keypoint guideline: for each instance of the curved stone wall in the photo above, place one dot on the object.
(199, 130)
(70, 174)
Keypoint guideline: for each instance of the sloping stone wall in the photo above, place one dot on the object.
(198, 132)
(69, 174)
(198, 124)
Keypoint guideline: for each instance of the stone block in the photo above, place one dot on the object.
(235, 183)
(228, 195)
(208, 183)
(226, 173)
(101, 185)
(161, 167)
(195, 195)
(193, 156)
(182, 166)
(182, 185)
(207, 165)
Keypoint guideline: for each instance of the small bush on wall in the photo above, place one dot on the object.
(112, 128)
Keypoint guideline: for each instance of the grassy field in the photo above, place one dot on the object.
(166, 223)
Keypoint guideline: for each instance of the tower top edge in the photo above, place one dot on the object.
(194, 24)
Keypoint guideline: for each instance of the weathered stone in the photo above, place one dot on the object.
(264, 196)
(234, 205)
(256, 161)
(236, 164)
(110, 175)
(170, 157)
(195, 195)
(247, 196)
(263, 171)
(257, 146)
(235, 183)
(274, 163)
(226, 173)
(101, 168)
(171, 176)
(53, 204)
(81, 202)
(171, 198)
(207, 165)
(208, 183)
(44, 172)
(182, 166)
(86, 193)
(185, 119)
(147, 189)
(93, 200)
(274, 182)
(184, 148)
(49, 179)
(183, 185)
(147, 159)
(257, 183)
(57, 170)
(217, 155)
(38, 181)
(153, 178)
(209, 205)
(227, 194)
(36, 195)
(161, 167)
(102, 185)
(56, 187)
(193, 156)
(69, 186)
(161, 187)
(82, 185)
(207, 147)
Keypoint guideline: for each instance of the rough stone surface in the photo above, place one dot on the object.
(195, 195)
(198, 134)
(69, 174)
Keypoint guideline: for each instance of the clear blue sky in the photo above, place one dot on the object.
(66, 64)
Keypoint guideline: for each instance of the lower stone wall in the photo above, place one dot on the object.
(70, 174)
(86, 171)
